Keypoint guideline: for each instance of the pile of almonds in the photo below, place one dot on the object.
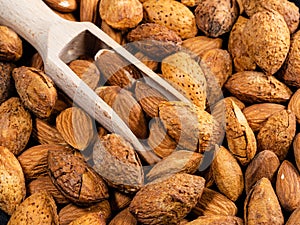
(231, 156)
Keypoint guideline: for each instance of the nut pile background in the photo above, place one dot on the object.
(231, 156)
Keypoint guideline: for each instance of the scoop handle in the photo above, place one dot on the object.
(30, 19)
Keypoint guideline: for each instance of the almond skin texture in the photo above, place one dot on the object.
(237, 49)
(81, 184)
(214, 203)
(264, 164)
(36, 90)
(38, 208)
(278, 133)
(257, 87)
(76, 127)
(89, 219)
(12, 188)
(167, 201)
(262, 206)
(62, 5)
(288, 186)
(185, 75)
(291, 68)
(257, 114)
(267, 39)
(155, 40)
(122, 14)
(123, 218)
(227, 174)
(215, 18)
(287, 9)
(118, 163)
(15, 125)
(172, 14)
(180, 161)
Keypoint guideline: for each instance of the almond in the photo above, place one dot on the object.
(267, 39)
(86, 71)
(257, 114)
(123, 218)
(200, 44)
(277, 133)
(36, 90)
(118, 163)
(287, 9)
(262, 206)
(119, 200)
(12, 188)
(149, 98)
(290, 70)
(38, 208)
(227, 174)
(72, 212)
(172, 14)
(125, 105)
(89, 11)
(264, 164)
(44, 183)
(213, 203)
(89, 219)
(11, 48)
(178, 194)
(294, 104)
(257, 87)
(155, 40)
(180, 161)
(15, 125)
(296, 147)
(294, 218)
(288, 186)
(76, 127)
(116, 70)
(122, 14)
(237, 49)
(34, 160)
(185, 75)
(115, 34)
(215, 18)
(75, 179)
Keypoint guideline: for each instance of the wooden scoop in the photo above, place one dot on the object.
(60, 41)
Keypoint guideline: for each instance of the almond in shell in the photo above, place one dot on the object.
(118, 163)
(267, 39)
(15, 125)
(5, 80)
(172, 14)
(89, 219)
(124, 218)
(294, 105)
(121, 14)
(262, 206)
(278, 133)
(12, 188)
(257, 87)
(36, 90)
(296, 148)
(185, 75)
(216, 220)
(75, 178)
(11, 48)
(38, 208)
(178, 194)
(227, 174)
(215, 18)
